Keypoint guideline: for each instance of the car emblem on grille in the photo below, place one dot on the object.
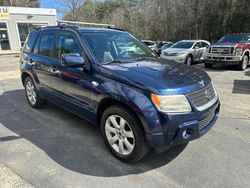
(201, 83)
(220, 50)
(207, 95)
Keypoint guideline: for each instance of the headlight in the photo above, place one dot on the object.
(181, 53)
(239, 51)
(171, 103)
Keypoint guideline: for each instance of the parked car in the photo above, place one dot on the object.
(160, 44)
(186, 51)
(138, 100)
(233, 49)
(152, 45)
(165, 46)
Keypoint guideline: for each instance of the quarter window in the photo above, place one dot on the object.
(30, 43)
(46, 44)
(66, 44)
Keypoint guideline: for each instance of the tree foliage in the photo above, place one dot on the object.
(20, 3)
(170, 19)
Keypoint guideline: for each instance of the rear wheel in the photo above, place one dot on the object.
(189, 60)
(32, 95)
(208, 65)
(244, 62)
(123, 134)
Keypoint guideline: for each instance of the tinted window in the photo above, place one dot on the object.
(184, 45)
(116, 46)
(149, 43)
(66, 44)
(204, 44)
(30, 43)
(46, 44)
(198, 44)
(234, 38)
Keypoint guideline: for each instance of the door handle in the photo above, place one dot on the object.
(54, 70)
(31, 62)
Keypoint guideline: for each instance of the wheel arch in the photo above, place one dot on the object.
(24, 76)
(247, 52)
(108, 102)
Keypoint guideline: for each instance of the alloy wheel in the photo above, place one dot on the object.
(31, 93)
(245, 62)
(120, 135)
(189, 60)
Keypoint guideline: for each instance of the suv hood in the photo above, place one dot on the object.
(175, 50)
(158, 76)
(223, 45)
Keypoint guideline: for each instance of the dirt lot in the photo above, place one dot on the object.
(53, 148)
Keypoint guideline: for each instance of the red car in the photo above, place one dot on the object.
(233, 49)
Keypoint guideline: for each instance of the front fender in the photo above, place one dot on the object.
(139, 101)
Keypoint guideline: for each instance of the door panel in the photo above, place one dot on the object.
(71, 82)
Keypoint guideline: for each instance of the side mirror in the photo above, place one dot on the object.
(196, 47)
(72, 60)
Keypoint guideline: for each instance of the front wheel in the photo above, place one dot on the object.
(189, 60)
(32, 95)
(244, 62)
(123, 134)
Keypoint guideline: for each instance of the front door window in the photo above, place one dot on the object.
(4, 39)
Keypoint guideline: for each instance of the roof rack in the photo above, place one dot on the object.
(65, 23)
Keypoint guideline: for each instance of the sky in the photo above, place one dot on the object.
(51, 4)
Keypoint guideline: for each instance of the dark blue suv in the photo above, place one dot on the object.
(110, 78)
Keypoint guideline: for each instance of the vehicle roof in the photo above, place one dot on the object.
(95, 29)
(238, 34)
(82, 29)
(192, 40)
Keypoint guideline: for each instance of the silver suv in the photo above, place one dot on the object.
(186, 51)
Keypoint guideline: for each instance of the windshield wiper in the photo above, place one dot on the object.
(145, 58)
(112, 62)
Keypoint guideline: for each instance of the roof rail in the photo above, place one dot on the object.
(64, 23)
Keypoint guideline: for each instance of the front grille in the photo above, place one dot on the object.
(205, 121)
(203, 98)
(170, 54)
(222, 50)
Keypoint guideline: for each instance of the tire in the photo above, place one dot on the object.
(137, 148)
(208, 65)
(244, 62)
(32, 94)
(189, 60)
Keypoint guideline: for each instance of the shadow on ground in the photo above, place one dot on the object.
(241, 86)
(70, 141)
(222, 68)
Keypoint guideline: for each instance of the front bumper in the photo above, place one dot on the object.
(218, 59)
(184, 128)
(178, 59)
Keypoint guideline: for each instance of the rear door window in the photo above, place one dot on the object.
(46, 44)
(204, 44)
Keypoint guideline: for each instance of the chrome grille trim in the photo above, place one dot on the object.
(206, 120)
(170, 54)
(222, 50)
(204, 98)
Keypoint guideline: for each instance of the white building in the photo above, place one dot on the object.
(17, 22)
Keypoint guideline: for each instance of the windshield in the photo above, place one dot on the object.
(184, 45)
(116, 46)
(235, 38)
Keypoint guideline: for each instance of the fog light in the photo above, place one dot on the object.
(187, 133)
